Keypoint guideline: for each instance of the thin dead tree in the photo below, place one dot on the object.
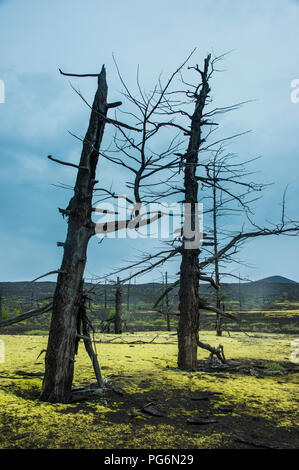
(167, 303)
(118, 308)
(216, 263)
(128, 296)
(232, 194)
(1, 315)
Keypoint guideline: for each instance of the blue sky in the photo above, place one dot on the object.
(37, 37)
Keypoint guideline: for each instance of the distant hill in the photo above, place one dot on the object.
(277, 280)
(263, 293)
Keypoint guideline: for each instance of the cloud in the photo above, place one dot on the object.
(41, 107)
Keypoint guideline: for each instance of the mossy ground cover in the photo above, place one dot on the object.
(254, 399)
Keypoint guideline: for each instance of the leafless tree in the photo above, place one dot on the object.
(229, 192)
(69, 322)
(68, 303)
(169, 106)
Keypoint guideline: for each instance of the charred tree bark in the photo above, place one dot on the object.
(67, 298)
(118, 298)
(189, 311)
(189, 270)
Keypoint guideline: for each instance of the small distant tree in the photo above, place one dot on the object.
(1, 314)
(118, 308)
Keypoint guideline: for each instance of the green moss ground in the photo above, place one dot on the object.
(261, 400)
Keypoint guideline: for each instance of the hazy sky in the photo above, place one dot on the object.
(37, 37)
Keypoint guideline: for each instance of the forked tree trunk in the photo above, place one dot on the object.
(60, 354)
(189, 302)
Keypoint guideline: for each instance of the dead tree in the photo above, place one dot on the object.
(26, 315)
(59, 362)
(231, 195)
(118, 299)
(189, 302)
(67, 301)
(216, 263)
(105, 296)
(167, 304)
(1, 315)
(128, 296)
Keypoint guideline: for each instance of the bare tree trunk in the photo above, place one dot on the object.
(105, 297)
(240, 295)
(218, 316)
(189, 311)
(128, 296)
(67, 298)
(189, 271)
(217, 280)
(118, 298)
(167, 304)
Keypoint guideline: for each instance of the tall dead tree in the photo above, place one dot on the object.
(189, 302)
(59, 362)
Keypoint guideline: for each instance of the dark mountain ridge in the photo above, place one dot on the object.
(277, 280)
(260, 293)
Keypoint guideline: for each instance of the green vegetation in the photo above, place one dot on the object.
(274, 369)
(260, 389)
(147, 372)
(36, 333)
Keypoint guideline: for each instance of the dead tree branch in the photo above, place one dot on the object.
(24, 316)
